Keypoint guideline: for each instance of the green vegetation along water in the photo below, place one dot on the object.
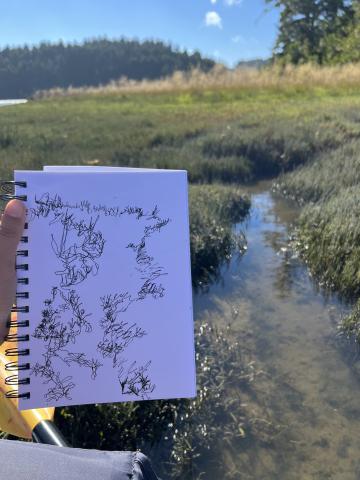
(292, 413)
(303, 409)
(224, 135)
(329, 230)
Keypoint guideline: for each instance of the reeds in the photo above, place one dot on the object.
(350, 326)
(329, 226)
(326, 175)
(272, 77)
(213, 210)
(330, 237)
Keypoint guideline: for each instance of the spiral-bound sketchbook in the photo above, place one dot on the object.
(104, 287)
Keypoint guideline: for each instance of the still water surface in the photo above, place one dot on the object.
(307, 391)
(7, 103)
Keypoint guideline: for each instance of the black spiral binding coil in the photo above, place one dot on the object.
(7, 193)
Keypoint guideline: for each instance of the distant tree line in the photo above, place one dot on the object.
(319, 31)
(255, 63)
(26, 69)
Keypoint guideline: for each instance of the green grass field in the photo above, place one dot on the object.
(309, 137)
(222, 135)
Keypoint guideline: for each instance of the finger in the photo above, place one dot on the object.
(11, 229)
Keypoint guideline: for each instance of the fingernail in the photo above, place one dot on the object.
(15, 209)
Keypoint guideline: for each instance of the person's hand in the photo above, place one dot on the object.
(11, 229)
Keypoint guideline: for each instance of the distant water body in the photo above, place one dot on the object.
(5, 103)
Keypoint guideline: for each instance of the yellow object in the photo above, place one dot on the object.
(13, 421)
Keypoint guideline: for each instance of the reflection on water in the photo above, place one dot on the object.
(308, 391)
(7, 103)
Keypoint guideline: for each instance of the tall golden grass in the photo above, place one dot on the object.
(272, 77)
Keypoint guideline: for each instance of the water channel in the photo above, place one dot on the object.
(307, 388)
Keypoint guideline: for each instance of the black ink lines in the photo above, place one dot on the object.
(79, 244)
(135, 380)
(60, 387)
(118, 334)
(55, 205)
(63, 320)
(77, 256)
(81, 360)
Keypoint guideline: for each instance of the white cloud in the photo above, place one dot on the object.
(213, 19)
(231, 3)
(213, 1)
(238, 39)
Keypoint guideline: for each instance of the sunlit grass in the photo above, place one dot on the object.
(274, 77)
(326, 175)
(228, 136)
(329, 226)
(238, 131)
(330, 240)
(213, 210)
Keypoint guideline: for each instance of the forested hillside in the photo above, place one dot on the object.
(25, 70)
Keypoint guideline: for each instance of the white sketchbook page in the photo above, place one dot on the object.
(119, 276)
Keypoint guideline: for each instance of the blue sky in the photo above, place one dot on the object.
(228, 30)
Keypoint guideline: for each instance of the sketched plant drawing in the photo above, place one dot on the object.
(118, 334)
(58, 331)
(135, 380)
(78, 259)
(79, 245)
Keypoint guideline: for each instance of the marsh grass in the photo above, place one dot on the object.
(272, 77)
(350, 326)
(224, 136)
(213, 210)
(325, 176)
(329, 227)
(329, 234)
(230, 132)
(192, 432)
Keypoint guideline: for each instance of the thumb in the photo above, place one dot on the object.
(11, 229)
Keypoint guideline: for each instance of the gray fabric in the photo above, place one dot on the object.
(30, 461)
